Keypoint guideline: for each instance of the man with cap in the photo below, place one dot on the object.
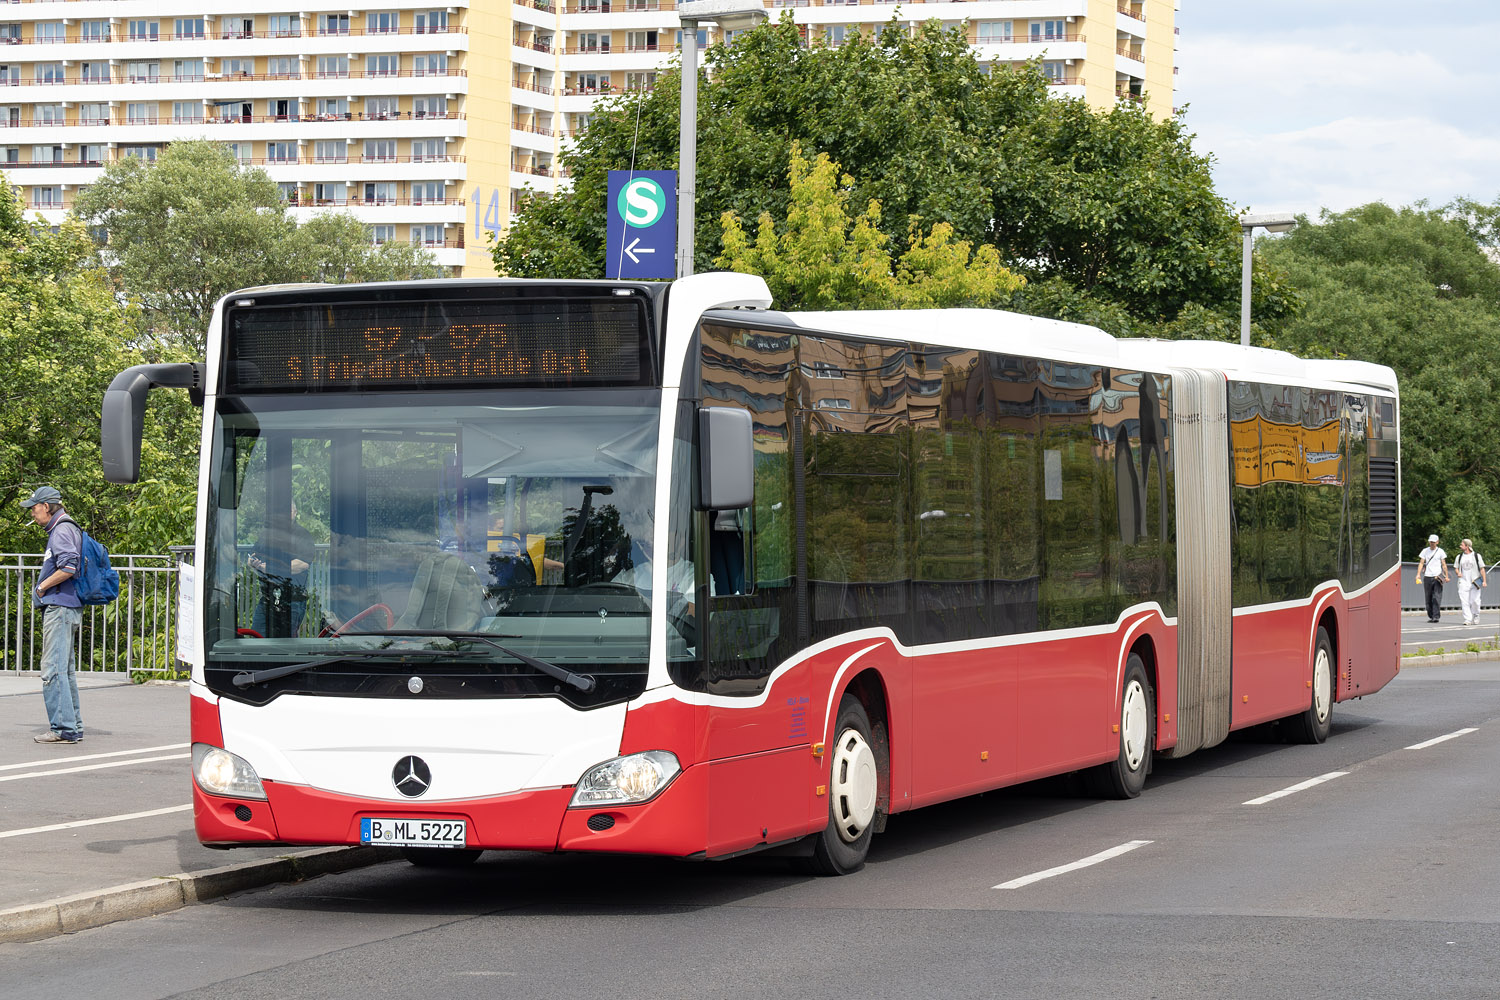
(1432, 573)
(61, 614)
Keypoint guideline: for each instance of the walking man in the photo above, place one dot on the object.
(1432, 573)
(1469, 567)
(61, 615)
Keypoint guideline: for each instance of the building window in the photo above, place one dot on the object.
(427, 236)
(384, 65)
(384, 22)
(51, 72)
(284, 67)
(237, 27)
(430, 64)
(46, 197)
(93, 114)
(1054, 71)
(1048, 31)
(330, 194)
(333, 67)
(640, 41)
(49, 114)
(281, 152)
(593, 41)
(333, 24)
(380, 108)
(333, 107)
(140, 114)
(241, 151)
(143, 72)
(94, 31)
(702, 39)
(428, 150)
(282, 26)
(46, 154)
(91, 155)
(382, 234)
(187, 70)
(382, 193)
(430, 107)
(239, 67)
(144, 31)
(187, 111)
(288, 192)
(640, 81)
(50, 33)
(427, 193)
(94, 72)
(431, 22)
(995, 32)
(10, 34)
(330, 151)
(188, 27)
(147, 153)
(380, 151)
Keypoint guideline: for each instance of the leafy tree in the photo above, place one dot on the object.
(1411, 288)
(821, 261)
(1113, 203)
(63, 336)
(195, 225)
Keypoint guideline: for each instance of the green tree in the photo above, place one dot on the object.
(1113, 203)
(63, 336)
(196, 225)
(1410, 288)
(822, 260)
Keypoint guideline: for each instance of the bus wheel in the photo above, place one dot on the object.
(1314, 725)
(1125, 776)
(853, 791)
(441, 857)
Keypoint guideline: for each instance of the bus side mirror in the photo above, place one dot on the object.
(726, 459)
(123, 418)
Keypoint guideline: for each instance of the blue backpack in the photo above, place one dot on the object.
(95, 582)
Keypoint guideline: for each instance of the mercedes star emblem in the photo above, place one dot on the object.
(411, 776)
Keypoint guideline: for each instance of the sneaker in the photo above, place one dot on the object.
(51, 737)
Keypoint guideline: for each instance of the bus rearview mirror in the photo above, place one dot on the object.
(123, 416)
(726, 459)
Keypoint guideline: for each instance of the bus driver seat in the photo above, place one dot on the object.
(445, 594)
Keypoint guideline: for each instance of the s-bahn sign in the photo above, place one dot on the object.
(641, 238)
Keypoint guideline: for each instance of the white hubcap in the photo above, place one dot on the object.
(1322, 684)
(854, 785)
(1133, 724)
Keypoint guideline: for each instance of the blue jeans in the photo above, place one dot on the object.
(59, 681)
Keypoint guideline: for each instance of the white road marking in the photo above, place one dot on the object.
(92, 756)
(94, 767)
(1093, 859)
(1441, 739)
(1300, 786)
(94, 822)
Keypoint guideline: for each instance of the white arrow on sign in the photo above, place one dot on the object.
(633, 249)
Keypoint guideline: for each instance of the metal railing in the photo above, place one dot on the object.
(136, 632)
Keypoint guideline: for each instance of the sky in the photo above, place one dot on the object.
(1330, 104)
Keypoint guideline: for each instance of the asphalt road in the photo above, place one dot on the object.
(1380, 880)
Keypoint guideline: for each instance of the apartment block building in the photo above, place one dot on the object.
(429, 123)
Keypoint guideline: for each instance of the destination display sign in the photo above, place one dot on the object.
(474, 343)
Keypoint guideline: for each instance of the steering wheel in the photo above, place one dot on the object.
(685, 624)
(611, 585)
(390, 619)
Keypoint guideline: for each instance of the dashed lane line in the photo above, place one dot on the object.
(1441, 739)
(94, 822)
(1093, 859)
(91, 756)
(94, 767)
(1300, 786)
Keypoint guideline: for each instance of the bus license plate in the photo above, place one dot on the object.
(391, 832)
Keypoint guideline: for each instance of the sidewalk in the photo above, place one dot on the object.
(102, 830)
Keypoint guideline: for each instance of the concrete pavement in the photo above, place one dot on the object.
(102, 830)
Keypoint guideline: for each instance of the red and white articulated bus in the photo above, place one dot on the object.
(654, 569)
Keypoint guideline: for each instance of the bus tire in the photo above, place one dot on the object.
(853, 793)
(1314, 725)
(1125, 776)
(441, 857)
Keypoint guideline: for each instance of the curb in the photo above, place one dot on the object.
(1443, 659)
(171, 892)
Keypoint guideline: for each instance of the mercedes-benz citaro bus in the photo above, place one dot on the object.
(655, 569)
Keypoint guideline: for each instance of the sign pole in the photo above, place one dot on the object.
(687, 167)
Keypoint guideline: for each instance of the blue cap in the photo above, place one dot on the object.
(43, 494)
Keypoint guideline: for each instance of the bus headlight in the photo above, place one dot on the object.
(627, 780)
(219, 772)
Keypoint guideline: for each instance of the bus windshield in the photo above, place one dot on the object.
(336, 524)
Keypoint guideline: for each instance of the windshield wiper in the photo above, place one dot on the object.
(245, 678)
(582, 682)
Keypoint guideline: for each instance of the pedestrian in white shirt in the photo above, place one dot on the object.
(1432, 573)
(1469, 567)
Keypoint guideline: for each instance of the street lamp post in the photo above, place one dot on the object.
(731, 15)
(1275, 223)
